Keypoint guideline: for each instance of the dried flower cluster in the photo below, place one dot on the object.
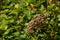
(36, 23)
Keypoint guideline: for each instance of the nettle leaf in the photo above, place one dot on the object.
(9, 6)
(15, 1)
(42, 9)
(58, 24)
(4, 25)
(16, 33)
(57, 37)
(26, 24)
(33, 38)
(58, 19)
(1, 6)
(16, 5)
(9, 37)
(3, 17)
(23, 36)
(52, 21)
(7, 32)
(31, 0)
(58, 16)
(50, 7)
(14, 11)
(41, 35)
(7, 1)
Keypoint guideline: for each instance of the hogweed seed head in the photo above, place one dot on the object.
(36, 23)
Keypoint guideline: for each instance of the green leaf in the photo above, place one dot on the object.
(16, 33)
(58, 24)
(8, 30)
(4, 25)
(31, 0)
(58, 16)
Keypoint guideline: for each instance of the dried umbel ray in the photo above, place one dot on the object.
(36, 23)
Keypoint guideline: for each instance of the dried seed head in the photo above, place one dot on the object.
(36, 23)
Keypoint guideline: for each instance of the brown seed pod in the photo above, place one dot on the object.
(36, 23)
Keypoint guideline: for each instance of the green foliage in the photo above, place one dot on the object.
(16, 14)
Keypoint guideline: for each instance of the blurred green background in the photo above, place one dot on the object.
(16, 14)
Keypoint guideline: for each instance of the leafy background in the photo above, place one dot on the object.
(16, 14)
